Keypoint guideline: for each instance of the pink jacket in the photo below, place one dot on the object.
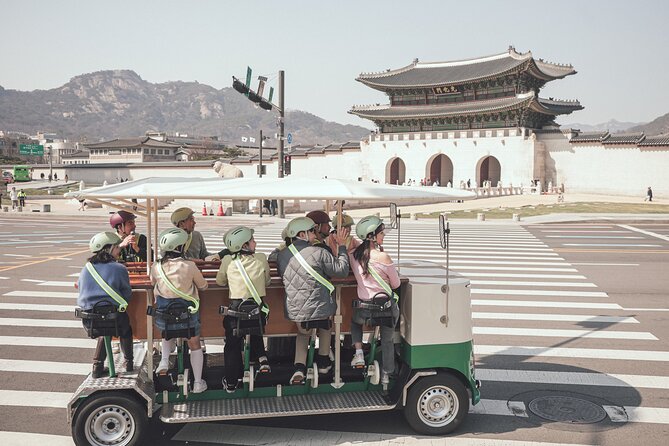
(368, 287)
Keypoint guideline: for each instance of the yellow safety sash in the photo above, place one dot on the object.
(249, 285)
(312, 272)
(177, 291)
(122, 304)
(386, 287)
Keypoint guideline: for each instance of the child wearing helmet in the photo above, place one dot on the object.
(243, 263)
(133, 246)
(375, 273)
(176, 278)
(103, 270)
(305, 270)
(346, 223)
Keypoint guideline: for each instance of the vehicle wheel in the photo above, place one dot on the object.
(109, 420)
(437, 404)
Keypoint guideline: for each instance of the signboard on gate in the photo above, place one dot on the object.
(31, 149)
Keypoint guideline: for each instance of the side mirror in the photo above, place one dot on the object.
(444, 230)
(393, 216)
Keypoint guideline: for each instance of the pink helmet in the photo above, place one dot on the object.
(120, 217)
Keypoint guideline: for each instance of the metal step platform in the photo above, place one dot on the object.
(283, 406)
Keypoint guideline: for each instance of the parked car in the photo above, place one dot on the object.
(7, 177)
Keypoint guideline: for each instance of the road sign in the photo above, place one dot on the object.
(31, 149)
(290, 138)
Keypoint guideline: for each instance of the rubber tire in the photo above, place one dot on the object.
(135, 409)
(419, 387)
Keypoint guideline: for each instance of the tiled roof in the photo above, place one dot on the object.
(589, 137)
(659, 140)
(425, 74)
(125, 143)
(624, 138)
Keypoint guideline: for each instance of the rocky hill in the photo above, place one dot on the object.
(612, 126)
(658, 126)
(119, 103)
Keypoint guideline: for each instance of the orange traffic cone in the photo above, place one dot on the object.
(220, 210)
(204, 209)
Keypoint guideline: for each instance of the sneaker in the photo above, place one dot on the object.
(299, 374)
(385, 378)
(324, 364)
(263, 365)
(163, 366)
(230, 388)
(199, 386)
(358, 361)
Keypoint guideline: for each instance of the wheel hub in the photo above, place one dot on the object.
(110, 425)
(437, 406)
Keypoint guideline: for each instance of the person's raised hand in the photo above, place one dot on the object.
(340, 237)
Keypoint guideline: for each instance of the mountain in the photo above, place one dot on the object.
(656, 127)
(612, 126)
(119, 103)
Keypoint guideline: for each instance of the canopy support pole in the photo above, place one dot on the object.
(337, 322)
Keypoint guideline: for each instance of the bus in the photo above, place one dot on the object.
(22, 173)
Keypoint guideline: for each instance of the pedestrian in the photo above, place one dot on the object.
(265, 206)
(103, 279)
(55, 176)
(50, 177)
(469, 183)
(41, 176)
(22, 198)
(649, 194)
(66, 178)
(82, 204)
(178, 280)
(274, 205)
(305, 270)
(14, 196)
(246, 273)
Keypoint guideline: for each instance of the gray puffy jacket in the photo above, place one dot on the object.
(306, 298)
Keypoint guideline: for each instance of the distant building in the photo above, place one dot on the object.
(132, 150)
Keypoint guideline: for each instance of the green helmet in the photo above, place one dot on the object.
(346, 221)
(236, 237)
(180, 215)
(102, 239)
(284, 233)
(297, 225)
(171, 239)
(367, 225)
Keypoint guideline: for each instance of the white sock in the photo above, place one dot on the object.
(167, 347)
(196, 363)
(358, 351)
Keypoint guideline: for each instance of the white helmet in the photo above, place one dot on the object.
(171, 239)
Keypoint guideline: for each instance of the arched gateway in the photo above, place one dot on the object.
(395, 171)
(488, 169)
(439, 167)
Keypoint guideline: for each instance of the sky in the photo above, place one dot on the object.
(619, 48)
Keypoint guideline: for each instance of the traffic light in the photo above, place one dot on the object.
(239, 86)
(286, 165)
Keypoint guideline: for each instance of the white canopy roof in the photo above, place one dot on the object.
(276, 188)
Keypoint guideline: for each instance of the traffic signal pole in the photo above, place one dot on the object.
(281, 136)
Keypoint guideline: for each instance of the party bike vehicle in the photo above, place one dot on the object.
(434, 384)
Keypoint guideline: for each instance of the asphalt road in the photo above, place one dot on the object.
(568, 312)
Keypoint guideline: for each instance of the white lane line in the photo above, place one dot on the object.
(36, 307)
(499, 407)
(597, 236)
(527, 283)
(483, 251)
(32, 280)
(643, 231)
(4, 278)
(526, 276)
(73, 275)
(573, 378)
(15, 322)
(55, 294)
(560, 352)
(586, 226)
(544, 304)
(625, 414)
(29, 398)
(490, 263)
(612, 244)
(541, 293)
(60, 368)
(646, 309)
(17, 255)
(565, 333)
(512, 268)
(555, 317)
(29, 439)
(581, 231)
(488, 256)
(57, 283)
(29, 341)
(604, 264)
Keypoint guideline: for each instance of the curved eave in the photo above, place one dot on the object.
(442, 110)
(548, 71)
(549, 107)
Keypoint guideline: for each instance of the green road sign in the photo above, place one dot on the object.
(31, 149)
